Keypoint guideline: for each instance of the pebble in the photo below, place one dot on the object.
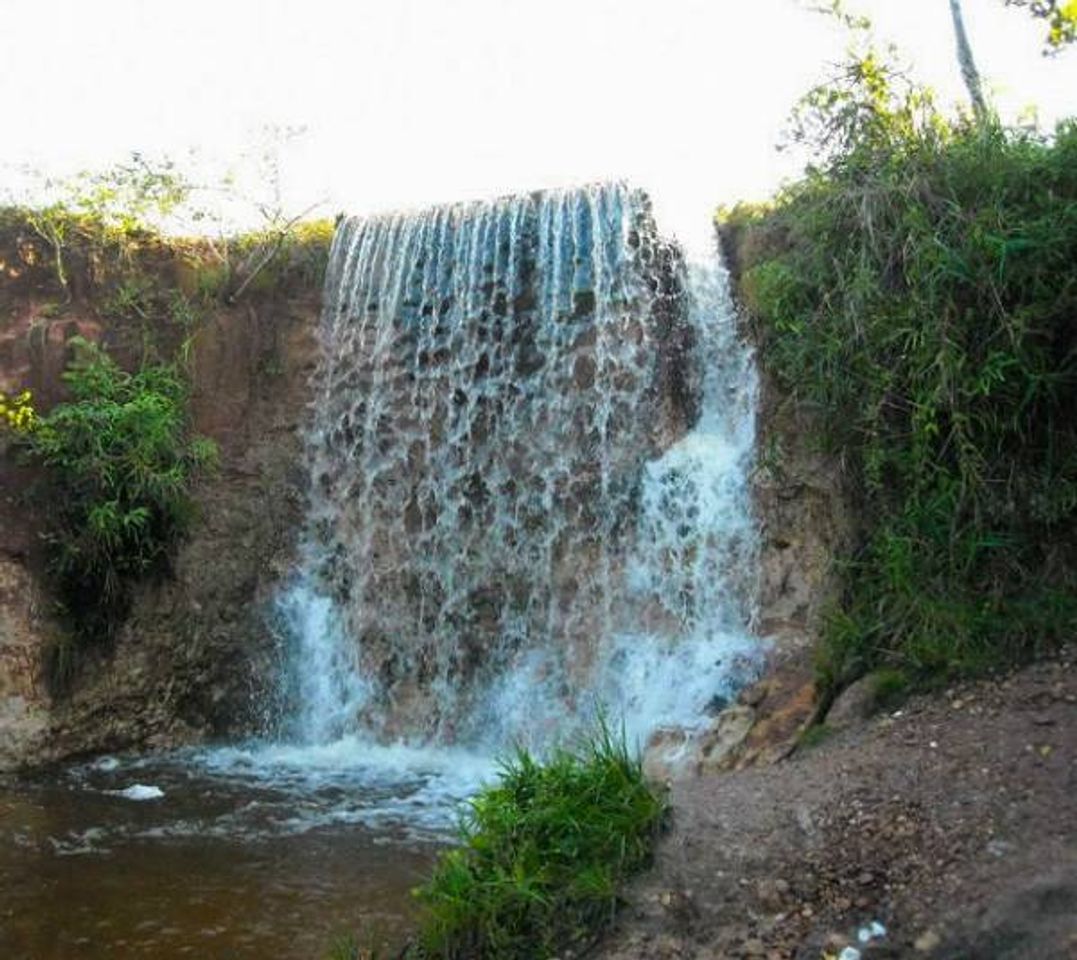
(999, 848)
(927, 941)
(769, 895)
(139, 791)
(835, 942)
(873, 931)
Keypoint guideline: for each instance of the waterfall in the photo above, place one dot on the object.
(531, 436)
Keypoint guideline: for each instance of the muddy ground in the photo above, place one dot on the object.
(951, 821)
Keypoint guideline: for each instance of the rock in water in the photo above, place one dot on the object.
(139, 791)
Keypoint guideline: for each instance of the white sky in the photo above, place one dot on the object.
(408, 102)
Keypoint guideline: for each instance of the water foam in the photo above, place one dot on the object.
(529, 462)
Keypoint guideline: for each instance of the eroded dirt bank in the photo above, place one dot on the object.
(951, 820)
(191, 658)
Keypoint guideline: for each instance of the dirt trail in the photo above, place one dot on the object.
(951, 821)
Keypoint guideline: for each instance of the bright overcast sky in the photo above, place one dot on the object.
(407, 102)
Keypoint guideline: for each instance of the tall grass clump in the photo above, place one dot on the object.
(543, 855)
(918, 289)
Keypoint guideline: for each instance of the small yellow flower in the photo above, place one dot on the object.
(17, 412)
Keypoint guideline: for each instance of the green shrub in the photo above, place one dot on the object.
(919, 290)
(119, 462)
(543, 856)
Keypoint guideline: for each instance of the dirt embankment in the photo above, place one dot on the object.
(951, 821)
(189, 661)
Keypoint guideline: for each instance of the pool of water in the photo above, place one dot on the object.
(264, 852)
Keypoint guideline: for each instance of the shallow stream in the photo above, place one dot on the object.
(262, 852)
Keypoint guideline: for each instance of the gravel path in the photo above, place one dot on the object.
(952, 822)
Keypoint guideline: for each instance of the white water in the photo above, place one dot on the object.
(693, 557)
(526, 506)
(529, 454)
(512, 525)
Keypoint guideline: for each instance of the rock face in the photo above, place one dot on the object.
(806, 518)
(762, 727)
(491, 498)
(725, 737)
(190, 659)
(803, 500)
(23, 717)
(194, 657)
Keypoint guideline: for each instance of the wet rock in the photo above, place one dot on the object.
(855, 704)
(755, 694)
(584, 372)
(23, 726)
(23, 633)
(668, 754)
(786, 708)
(718, 747)
(583, 304)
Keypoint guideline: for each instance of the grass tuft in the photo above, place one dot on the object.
(543, 855)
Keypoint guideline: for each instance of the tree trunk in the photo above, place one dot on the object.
(968, 66)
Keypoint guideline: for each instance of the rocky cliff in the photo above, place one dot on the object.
(806, 518)
(192, 655)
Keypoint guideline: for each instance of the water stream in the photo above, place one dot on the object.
(531, 436)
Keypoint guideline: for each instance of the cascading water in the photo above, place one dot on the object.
(533, 426)
(529, 453)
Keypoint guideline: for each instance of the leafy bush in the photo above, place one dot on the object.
(543, 855)
(119, 463)
(918, 289)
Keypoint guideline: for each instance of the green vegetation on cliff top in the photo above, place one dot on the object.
(97, 243)
(918, 290)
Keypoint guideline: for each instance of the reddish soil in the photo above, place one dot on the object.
(952, 821)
